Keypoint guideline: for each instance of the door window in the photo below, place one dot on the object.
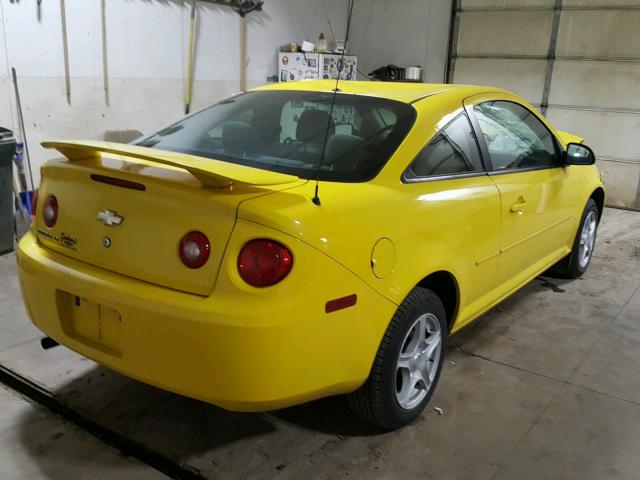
(515, 137)
(452, 151)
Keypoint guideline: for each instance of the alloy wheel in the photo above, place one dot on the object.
(418, 361)
(587, 239)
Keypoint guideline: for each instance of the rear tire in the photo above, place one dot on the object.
(576, 263)
(407, 366)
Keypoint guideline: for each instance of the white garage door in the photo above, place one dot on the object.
(576, 60)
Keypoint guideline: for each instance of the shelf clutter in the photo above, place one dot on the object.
(306, 61)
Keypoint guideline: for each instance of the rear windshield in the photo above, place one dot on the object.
(292, 132)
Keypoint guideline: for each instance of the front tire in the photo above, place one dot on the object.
(407, 366)
(576, 263)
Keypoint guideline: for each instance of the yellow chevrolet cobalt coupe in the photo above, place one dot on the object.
(296, 242)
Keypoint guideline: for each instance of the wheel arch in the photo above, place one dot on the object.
(598, 196)
(445, 285)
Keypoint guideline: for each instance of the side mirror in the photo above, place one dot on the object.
(579, 154)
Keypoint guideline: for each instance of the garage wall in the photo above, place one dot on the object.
(577, 60)
(410, 32)
(147, 43)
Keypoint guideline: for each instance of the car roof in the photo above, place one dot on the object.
(400, 91)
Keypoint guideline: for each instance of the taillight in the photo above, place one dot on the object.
(264, 262)
(194, 249)
(34, 204)
(50, 211)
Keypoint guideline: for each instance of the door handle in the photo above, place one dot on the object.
(518, 206)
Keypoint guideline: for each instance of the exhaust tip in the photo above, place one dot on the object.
(47, 342)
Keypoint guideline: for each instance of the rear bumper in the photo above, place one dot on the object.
(238, 350)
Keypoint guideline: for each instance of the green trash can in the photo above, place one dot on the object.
(7, 151)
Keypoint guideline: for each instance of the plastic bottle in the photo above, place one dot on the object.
(322, 44)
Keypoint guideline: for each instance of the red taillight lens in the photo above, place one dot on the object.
(264, 262)
(194, 249)
(50, 211)
(34, 204)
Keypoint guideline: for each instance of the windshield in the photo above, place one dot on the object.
(291, 131)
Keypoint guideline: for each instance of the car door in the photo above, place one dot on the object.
(538, 201)
(456, 213)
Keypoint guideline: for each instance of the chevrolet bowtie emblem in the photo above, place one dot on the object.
(110, 218)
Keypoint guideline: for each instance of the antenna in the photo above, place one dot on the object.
(316, 198)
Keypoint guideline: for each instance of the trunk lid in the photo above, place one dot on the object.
(125, 208)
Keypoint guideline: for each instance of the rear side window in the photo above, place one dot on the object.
(452, 151)
(295, 132)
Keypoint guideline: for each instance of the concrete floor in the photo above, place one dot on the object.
(35, 444)
(545, 386)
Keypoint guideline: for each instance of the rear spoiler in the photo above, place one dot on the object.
(209, 172)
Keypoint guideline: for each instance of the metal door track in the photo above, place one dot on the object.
(126, 446)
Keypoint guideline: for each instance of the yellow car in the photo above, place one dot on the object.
(300, 241)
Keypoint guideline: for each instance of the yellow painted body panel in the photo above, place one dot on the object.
(245, 348)
(145, 246)
(569, 137)
(401, 92)
(242, 348)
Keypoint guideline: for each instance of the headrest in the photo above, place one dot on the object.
(312, 126)
(236, 136)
